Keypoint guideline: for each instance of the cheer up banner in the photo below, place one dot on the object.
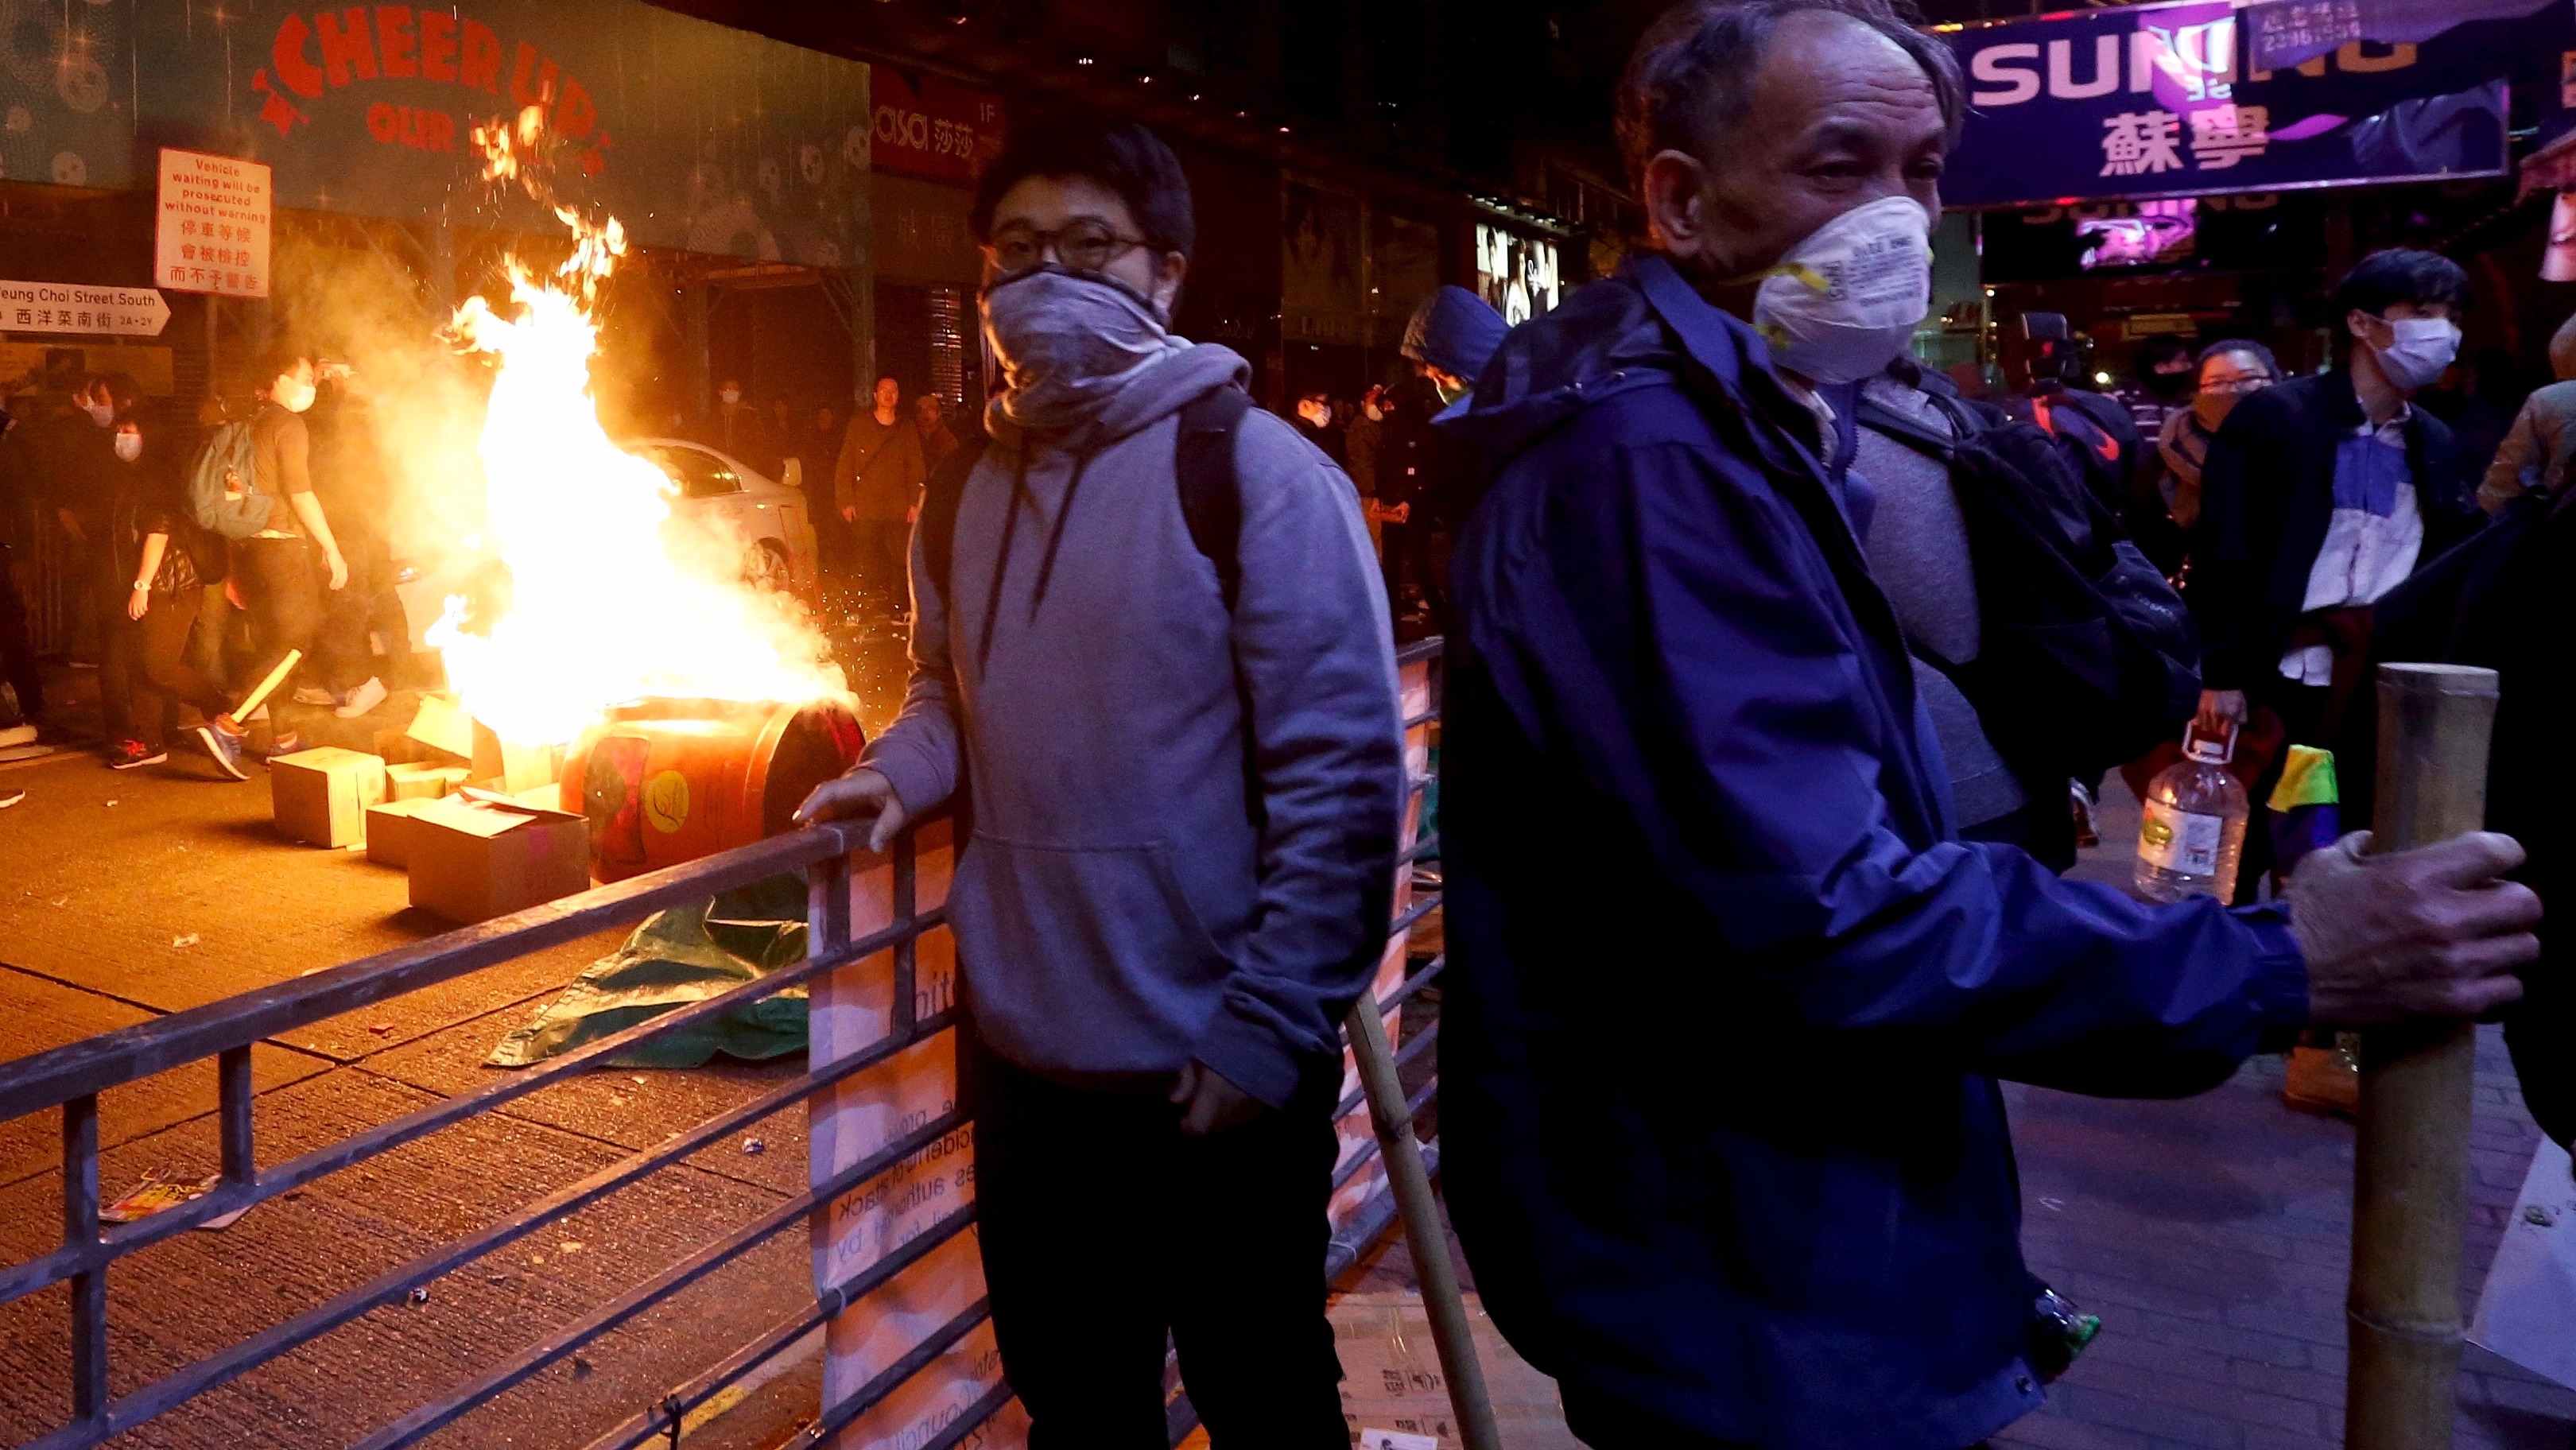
(696, 136)
(2209, 96)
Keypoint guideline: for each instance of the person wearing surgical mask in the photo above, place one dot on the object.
(2229, 371)
(2319, 496)
(281, 571)
(741, 430)
(1148, 643)
(1676, 683)
(145, 676)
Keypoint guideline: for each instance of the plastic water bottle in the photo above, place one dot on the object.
(2191, 832)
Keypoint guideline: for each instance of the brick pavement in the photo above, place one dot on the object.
(2213, 1236)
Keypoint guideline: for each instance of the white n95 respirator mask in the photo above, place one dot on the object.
(1844, 302)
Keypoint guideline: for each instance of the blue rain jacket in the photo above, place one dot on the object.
(1727, 999)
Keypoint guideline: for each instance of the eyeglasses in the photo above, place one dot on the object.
(1086, 245)
(2249, 383)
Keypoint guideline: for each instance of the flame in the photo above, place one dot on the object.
(609, 598)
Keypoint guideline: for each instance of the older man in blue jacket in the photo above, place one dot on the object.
(1686, 765)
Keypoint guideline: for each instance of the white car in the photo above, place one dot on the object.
(714, 487)
(772, 514)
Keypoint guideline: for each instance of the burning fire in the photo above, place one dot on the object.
(607, 599)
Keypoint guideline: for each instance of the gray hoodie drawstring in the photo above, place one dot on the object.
(1010, 528)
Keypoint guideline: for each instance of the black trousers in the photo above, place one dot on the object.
(1405, 556)
(280, 589)
(1607, 1425)
(146, 675)
(369, 603)
(17, 652)
(1104, 1227)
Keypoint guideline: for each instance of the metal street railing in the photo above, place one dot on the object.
(866, 934)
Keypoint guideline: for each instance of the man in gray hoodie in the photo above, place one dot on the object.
(1183, 770)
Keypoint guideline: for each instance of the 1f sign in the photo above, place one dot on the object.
(212, 230)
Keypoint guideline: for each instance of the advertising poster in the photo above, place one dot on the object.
(2208, 96)
(696, 136)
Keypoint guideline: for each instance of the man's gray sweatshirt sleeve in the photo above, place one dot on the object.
(917, 754)
(1317, 661)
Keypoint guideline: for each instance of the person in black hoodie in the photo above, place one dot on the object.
(1452, 334)
(151, 547)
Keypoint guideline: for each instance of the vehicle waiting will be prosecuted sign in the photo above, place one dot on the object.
(212, 232)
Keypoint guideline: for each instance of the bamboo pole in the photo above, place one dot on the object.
(1429, 1241)
(2411, 1160)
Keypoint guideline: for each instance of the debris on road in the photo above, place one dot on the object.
(678, 958)
(754, 1146)
(380, 1028)
(160, 1190)
(10, 798)
(420, 1296)
(184, 941)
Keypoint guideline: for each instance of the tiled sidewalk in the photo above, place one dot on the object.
(2212, 1236)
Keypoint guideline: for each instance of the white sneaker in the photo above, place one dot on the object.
(362, 700)
(17, 735)
(314, 695)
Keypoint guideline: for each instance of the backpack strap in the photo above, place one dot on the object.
(1211, 494)
(939, 497)
(1881, 419)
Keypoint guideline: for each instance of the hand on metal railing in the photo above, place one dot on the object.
(861, 793)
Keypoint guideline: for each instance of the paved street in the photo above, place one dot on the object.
(2209, 1234)
(2213, 1237)
(155, 890)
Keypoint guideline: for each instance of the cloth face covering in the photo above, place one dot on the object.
(1845, 301)
(2419, 348)
(1067, 341)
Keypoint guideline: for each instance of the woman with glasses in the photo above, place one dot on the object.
(2229, 370)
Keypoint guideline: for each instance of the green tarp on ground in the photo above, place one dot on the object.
(676, 958)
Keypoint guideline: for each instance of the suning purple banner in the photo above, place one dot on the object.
(2208, 96)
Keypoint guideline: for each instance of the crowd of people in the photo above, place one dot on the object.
(1743, 716)
(867, 471)
(197, 557)
(193, 557)
(1779, 672)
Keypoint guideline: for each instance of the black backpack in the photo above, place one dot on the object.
(1202, 469)
(2087, 658)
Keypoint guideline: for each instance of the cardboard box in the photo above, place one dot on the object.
(389, 830)
(321, 795)
(443, 726)
(1392, 1382)
(470, 859)
(529, 767)
(422, 782)
(398, 748)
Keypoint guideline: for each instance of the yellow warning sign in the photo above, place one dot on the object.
(666, 801)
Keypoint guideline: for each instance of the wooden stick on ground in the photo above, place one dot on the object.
(1423, 1233)
(2411, 1160)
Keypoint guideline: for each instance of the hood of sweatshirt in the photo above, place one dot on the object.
(1102, 410)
